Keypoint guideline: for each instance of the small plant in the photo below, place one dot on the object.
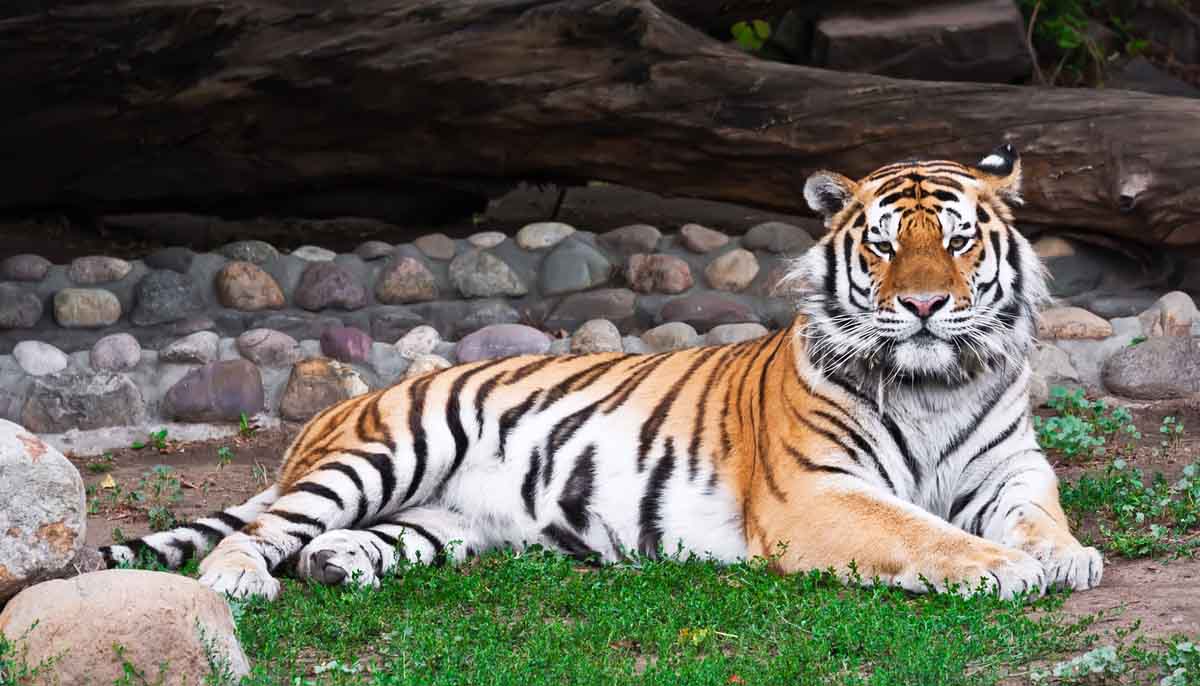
(102, 465)
(260, 474)
(751, 35)
(1137, 340)
(158, 439)
(1171, 431)
(1095, 664)
(246, 429)
(1082, 426)
(156, 493)
(224, 456)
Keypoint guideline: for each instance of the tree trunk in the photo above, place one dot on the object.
(132, 105)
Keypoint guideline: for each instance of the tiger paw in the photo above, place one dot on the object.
(238, 574)
(1069, 566)
(343, 558)
(1004, 571)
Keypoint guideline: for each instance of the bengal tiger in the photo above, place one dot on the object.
(886, 434)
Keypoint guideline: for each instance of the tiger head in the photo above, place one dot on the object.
(922, 276)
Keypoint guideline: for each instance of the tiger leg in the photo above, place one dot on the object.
(866, 534)
(1016, 504)
(421, 535)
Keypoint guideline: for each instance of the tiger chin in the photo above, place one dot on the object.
(885, 434)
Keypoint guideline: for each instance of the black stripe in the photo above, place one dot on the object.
(439, 550)
(650, 534)
(187, 549)
(569, 543)
(763, 443)
(140, 547)
(964, 434)
(520, 373)
(386, 538)
(914, 466)
(577, 493)
(996, 440)
(303, 536)
(584, 378)
(808, 464)
(385, 466)
(481, 395)
(982, 215)
(416, 408)
(110, 562)
(228, 520)
(627, 387)
(377, 432)
(454, 419)
(562, 432)
(509, 420)
(658, 416)
(209, 533)
(358, 484)
(851, 451)
(376, 560)
(529, 484)
(319, 491)
(698, 427)
(299, 518)
(944, 196)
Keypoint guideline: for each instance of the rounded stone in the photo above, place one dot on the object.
(346, 344)
(317, 384)
(632, 239)
(596, 336)
(732, 271)
(634, 345)
(540, 235)
(38, 359)
(164, 296)
(486, 239)
(328, 285)
(217, 392)
(424, 364)
(268, 348)
(86, 308)
(62, 402)
(1171, 315)
(480, 274)
(197, 348)
(24, 268)
(1155, 369)
(373, 250)
(406, 280)
(44, 518)
(247, 287)
(116, 353)
(421, 340)
(170, 629)
(701, 239)
(778, 237)
(573, 266)
(502, 340)
(95, 269)
(437, 246)
(734, 333)
(254, 252)
(614, 304)
(706, 310)
(175, 258)
(670, 336)
(1072, 323)
(312, 253)
(658, 274)
(19, 309)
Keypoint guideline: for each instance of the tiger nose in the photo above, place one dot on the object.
(924, 304)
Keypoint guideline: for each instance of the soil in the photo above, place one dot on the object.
(1158, 594)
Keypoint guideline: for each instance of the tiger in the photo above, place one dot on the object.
(884, 436)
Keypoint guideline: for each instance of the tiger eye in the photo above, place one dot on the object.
(957, 243)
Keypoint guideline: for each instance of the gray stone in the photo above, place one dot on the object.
(406, 280)
(423, 364)
(1172, 315)
(119, 352)
(175, 258)
(86, 308)
(247, 287)
(670, 336)
(778, 237)
(559, 346)
(18, 309)
(254, 252)
(38, 358)
(574, 266)
(420, 341)
(94, 269)
(596, 336)
(733, 271)
(44, 518)
(1156, 369)
(502, 340)
(374, 250)
(658, 274)
(1079, 268)
(706, 310)
(447, 350)
(197, 348)
(298, 326)
(312, 253)
(388, 363)
(61, 402)
(734, 333)
(390, 323)
(216, 392)
(614, 304)
(24, 268)
(437, 246)
(328, 285)
(1039, 391)
(486, 239)
(1120, 304)
(540, 235)
(165, 296)
(1140, 74)
(268, 348)
(480, 274)
(634, 345)
(346, 344)
(317, 384)
(631, 239)
(1053, 365)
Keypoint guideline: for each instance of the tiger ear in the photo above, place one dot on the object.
(828, 192)
(1000, 171)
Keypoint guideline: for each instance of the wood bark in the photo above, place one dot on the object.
(131, 105)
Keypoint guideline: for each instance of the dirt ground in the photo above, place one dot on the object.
(1161, 595)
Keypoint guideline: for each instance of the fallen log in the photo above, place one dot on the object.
(141, 105)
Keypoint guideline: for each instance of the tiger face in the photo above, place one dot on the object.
(922, 277)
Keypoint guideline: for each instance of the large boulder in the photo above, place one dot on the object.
(168, 627)
(44, 516)
(61, 402)
(217, 392)
(1155, 369)
(502, 340)
(316, 384)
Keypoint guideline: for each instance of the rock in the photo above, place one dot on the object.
(389, 323)
(119, 352)
(658, 274)
(614, 304)
(1039, 391)
(701, 239)
(44, 518)
(1156, 369)
(706, 310)
(247, 287)
(670, 336)
(175, 258)
(315, 385)
(631, 239)
(502, 340)
(86, 308)
(480, 274)
(199, 348)
(1140, 74)
(486, 239)
(573, 266)
(216, 392)
(268, 348)
(346, 344)
(980, 40)
(779, 238)
(374, 250)
(447, 351)
(1053, 365)
(325, 284)
(420, 341)
(298, 327)
(423, 364)
(1172, 315)
(254, 252)
(38, 358)
(170, 629)
(734, 333)
(559, 346)
(437, 246)
(165, 296)
(633, 345)
(312, 253)
(19, 309)
(24, 268)
(1072, 322)
(732, 271)
(540, 235)
(406, 280)
(94, 269)
(596, 336)
(1079, 268)
(1110, 305)
(62, 402)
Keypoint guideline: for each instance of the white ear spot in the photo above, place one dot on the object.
(993, 161)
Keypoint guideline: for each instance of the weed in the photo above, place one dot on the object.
(751, 35)
(224, 456)
(1171, 431)
(158, 439)
(101, 465)
(1060, 30)
(246, 429)
(261, 475)
(156, 493)
(1082, 426)
(1137, 340)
